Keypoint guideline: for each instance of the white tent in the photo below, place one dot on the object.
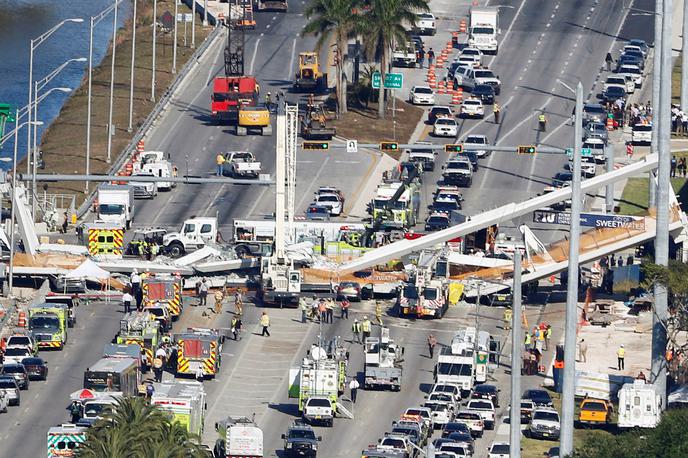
(89, 269)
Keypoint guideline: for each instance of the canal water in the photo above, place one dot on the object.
(23, 20)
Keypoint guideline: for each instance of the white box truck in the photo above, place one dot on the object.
(116, 204)
(240, 437)
(484, 29)
(639, 405)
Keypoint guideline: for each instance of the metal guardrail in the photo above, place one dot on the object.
(159, 107)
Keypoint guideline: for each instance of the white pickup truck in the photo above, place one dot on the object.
(404, 56)
(241, 164)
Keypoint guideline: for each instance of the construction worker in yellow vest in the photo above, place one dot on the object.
(378, 312)
(621, 357)
(527, 340)
(507, 319)
(365, 327)
(220, 161)
(218, 301)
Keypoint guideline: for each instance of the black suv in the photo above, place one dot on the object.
(301, 440)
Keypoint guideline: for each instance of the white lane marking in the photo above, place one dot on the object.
(313, 181)
(291, 61)
(347, 162)
(508, 31)
(267, 26)
(255, 53)
(255, 203)
(274, 17)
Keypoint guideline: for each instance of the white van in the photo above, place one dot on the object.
(162, 169)
(639, 405)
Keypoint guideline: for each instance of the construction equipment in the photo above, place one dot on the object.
(383, 360)
(428, 295)
(310, 78)
(254, 119)
(280, 282)
(198, 348)
(236, 89)
(142, 329)
(105, 239)
(163, 290)
(184, 400)
(314, 123)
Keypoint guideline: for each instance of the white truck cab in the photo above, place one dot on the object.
(319, 409)
(193, 235)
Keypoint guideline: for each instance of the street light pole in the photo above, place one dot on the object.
(656, 66)
(112, 85)
(205, 13)
(516, 346)
(155, 31)
(94, 21)
(193, 24)
(567, 406)
(684, 58)
(174, 45)
(133, 59)
(660, 315)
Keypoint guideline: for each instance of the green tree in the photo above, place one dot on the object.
(136, 429)
(668, 439)
(384, 25)
(333, 20)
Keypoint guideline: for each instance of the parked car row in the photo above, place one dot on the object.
(20, 365)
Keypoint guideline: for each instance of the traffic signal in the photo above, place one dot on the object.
(389, 146)
(453, 148)
(316, 145)
(526, 149)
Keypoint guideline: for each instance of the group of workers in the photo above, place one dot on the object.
(146, 250)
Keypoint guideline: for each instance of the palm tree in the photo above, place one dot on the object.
(333, 19)
(136, 429)
(384, 25)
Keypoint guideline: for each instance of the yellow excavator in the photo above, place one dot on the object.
(310, 78)
(254, 119)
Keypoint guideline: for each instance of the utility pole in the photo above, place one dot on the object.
(174, 45)
(660, 315)
(131, 81)
(516, 346)
(155, 32)
(609, 192)
(568, 401)
(205, 13)
(684, 58)
(656, 67)
(112, 85)
(193, 24)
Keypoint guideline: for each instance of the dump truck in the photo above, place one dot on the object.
(186, 401)
(163, 290)
(383, 362)
(142, 329)
(310, 78)
(198, 348)
(314, 124)
(240, 437)
(48, 324)
(64, 440)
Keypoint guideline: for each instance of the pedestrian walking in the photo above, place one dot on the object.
(432, 342)
(239, 302)
(583, 350)
(235, 327)
(673, 166)
(265, 323)
(431, 57)
(540, 344)
(527, 341)
(621, 358)
(157, 368)
(150, 389)
(203, 293)
(421, 57)
(356, 330)
(353, 387)
(135, 280)
(65, 223)
(682, 167)
(378, 312)
(126, 301)
(345, 309)
(200, 375)
(322, 311)
(365, 328)
(506, 318)
(220, 161)
(75, 411)
(608, 60)
(329, 310)
(548, 336)
(219, 296)
(496, 109)
(139, 300)
(303, 305)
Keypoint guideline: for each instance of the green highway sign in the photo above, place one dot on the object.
(392, 80)
(585, 152)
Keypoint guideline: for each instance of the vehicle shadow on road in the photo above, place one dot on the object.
(287, 409)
